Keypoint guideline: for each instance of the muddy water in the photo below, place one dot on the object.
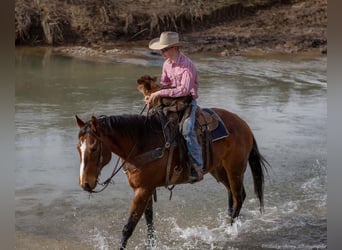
(282, 99)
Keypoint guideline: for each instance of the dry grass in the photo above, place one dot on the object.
(57, 22)
(40, 17)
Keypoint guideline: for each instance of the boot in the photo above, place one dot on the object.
(196, 173)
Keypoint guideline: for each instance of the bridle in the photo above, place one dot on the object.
(99, 162)
(99, 166)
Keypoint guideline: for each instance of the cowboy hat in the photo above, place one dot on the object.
(166, 39)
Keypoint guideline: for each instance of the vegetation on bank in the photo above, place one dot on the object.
(84, 22)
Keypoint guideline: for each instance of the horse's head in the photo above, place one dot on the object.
(94, 154)
(147, 85)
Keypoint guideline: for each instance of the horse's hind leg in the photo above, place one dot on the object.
(149, 222)
(221, 176)
(238, 191)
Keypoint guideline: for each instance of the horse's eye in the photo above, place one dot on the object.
(93, 149)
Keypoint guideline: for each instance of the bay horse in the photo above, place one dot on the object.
(133, 136)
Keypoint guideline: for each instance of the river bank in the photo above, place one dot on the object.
(259, 27)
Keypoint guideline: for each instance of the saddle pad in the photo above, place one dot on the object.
(221, 131)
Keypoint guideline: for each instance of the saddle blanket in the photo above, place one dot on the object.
(221, 131)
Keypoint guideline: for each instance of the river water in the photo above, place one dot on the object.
(283, 99)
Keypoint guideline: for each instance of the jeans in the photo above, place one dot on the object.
(189, 134)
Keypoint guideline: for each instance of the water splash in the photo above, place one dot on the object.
(193, 237)
(99, 240)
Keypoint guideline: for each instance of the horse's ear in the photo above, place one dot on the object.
(79, 122)
(154, 79)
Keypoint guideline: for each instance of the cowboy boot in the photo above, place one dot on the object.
(196, 173)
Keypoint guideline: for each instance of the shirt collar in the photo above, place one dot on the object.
(178, 59)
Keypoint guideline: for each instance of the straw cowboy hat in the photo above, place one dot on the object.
(166, 39)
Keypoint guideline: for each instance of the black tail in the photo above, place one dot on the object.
(258, 165)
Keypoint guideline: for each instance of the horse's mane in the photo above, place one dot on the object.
(137, 127)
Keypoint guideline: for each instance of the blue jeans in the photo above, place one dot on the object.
(189, 134)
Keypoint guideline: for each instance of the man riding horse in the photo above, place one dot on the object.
(179, 74)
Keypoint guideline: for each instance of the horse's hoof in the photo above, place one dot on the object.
(231, 220)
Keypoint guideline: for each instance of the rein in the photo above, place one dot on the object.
(115, 170)
(109, 180)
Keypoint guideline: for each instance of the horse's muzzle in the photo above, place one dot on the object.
(86, 187)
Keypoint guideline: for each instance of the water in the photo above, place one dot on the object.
(284, 100)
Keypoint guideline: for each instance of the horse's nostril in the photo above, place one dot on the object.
(87, 187)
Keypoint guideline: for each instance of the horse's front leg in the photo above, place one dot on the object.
(141, 198)
(149, 221)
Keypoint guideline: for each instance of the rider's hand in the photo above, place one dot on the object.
(149, 100)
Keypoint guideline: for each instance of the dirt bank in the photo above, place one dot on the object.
(228, 27)
(290, 28)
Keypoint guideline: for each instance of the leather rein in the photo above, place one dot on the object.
(99, 167)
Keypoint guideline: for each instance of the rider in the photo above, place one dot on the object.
(180, 74)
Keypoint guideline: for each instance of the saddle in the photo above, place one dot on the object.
(172, 113)
(204, 118)
(175, 108)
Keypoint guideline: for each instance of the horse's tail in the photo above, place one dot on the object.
(258, 164)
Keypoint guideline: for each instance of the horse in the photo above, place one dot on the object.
(139, 141)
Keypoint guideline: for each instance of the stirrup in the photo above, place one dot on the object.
(199, 175)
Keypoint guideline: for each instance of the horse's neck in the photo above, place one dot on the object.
(130, 135)
(118, 144)
(115, 135)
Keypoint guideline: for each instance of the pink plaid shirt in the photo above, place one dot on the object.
(180, 76)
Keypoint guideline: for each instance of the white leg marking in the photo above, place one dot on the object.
(83, 148)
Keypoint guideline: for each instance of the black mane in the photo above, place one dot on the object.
(137, 127)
